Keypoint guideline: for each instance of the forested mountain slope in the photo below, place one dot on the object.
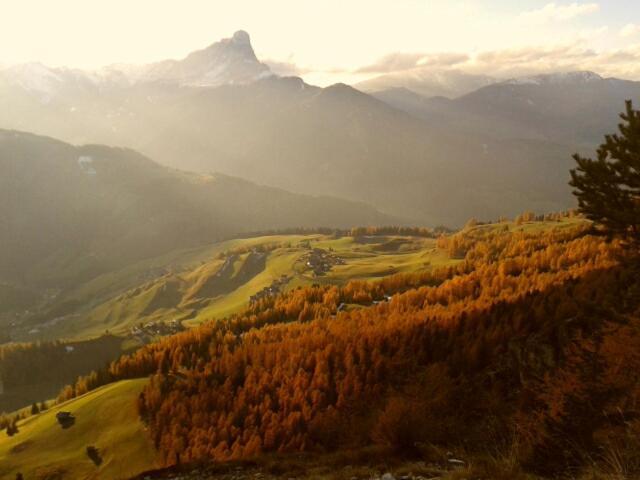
(529, 331)
(503, 328)
(67, 212)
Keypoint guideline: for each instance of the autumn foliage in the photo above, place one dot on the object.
(529, 337)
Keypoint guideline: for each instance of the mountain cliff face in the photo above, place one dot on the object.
(229, 61)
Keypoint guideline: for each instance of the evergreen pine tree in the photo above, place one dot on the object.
(608, 188)
(12, 429)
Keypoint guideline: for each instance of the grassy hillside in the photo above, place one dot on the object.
(218, 280)
(193, 285)
(105, 418)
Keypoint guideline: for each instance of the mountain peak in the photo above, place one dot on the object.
(228, 61)
(241, 38)
(238, 44)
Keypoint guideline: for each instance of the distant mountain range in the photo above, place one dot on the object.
(501, 148)
(428, 82)
(574, 108)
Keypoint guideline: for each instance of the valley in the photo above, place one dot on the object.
(218, 280)
(343, 279)
(122, 310)
(188, 287)
(393, 241)
(493, 148)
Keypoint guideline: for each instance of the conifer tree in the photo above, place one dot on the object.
(608, 188)
(12, 429)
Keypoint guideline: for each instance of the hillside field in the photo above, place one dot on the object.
(105, 418)
(192, 286)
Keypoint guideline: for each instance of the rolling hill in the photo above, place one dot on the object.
(194, 285)
(105, 418)
(69, 214)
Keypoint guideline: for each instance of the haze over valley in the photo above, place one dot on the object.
(275, 240)
(412, 154)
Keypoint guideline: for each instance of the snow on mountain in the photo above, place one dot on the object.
(34, 78)
(561, 78)
(229, 61)
(452, 84)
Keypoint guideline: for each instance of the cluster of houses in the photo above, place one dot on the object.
(385, 299)
(320, 261)
(148, 331)
(272, 290)
(343, 306)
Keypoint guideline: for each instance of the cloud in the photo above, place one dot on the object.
(286, 68)
(630, 30)
(559, 13)
(393, 62)
(507, 63)
(443, 59)
(398, 62)
(535, 55)
(622, 62)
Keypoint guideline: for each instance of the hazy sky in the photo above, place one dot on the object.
(333, 40)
